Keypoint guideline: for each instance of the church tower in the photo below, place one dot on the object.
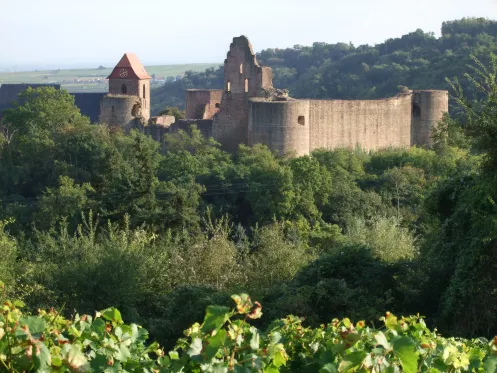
(128, 103)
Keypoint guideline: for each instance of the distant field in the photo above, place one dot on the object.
(91, 80)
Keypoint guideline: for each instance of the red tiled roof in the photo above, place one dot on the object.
(135, 68)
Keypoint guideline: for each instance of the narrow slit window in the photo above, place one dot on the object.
(246, 85)
(301, 120)
(416, 111)
(112, 108)
(144, 91)
(228, 86)
(241, 68)
(124, 89)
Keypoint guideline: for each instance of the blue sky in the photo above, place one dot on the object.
(69, 33)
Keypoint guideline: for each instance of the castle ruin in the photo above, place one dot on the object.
(252, 111)
(249, 110)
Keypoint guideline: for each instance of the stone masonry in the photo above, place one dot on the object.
(249, 110)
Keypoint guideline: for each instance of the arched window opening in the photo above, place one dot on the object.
(144, 91)
(112, 108)
(124, 89)
(241, 68)
(228, 87)
(218, 105)
(416, 111)
(301, 120)
(246, 85)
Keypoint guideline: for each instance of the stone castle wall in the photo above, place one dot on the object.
(371, 124)
(203, 103)
(277, 125)
(121, 111)
(301, 126)
(428, 109)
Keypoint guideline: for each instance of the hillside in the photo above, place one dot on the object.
(418, 60)
(92, 80)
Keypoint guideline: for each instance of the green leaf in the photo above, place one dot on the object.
(381, 340)
(35, 325)
(328, 368)
(215, 318)
(280, 358)
(404, 348)
(352, 361)
(112, 314)
(271, 369)
(255, 340)
(490, 364)
(215, 343)
(42, 357)
(195, 347)
(391, 321)
(77, 360)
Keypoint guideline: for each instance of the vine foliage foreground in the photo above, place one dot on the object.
(227, 342)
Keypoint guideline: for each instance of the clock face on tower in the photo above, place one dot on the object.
(123, 73)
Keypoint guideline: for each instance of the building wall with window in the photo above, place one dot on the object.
(301, 126)
(243, 79)
(252, 111)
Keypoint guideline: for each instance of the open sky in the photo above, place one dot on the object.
(87, 33)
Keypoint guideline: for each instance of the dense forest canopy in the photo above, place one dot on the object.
(418, 60)
(92, 217)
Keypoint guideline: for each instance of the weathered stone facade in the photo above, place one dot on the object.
(252, 111)
(128, 103)
(249, 110)
(203, 103)
(243, 78)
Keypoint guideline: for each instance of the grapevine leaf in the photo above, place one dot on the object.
(391, 321)
(381, 340)
(280, 358)
(271, 369)
(215, 318)
(490, 364)
(255, 340)
(351, 361)
(42, 357)
(112, 314)
(35, 326)
(404, 348)
(328, 368)
(77, 360)
(215, 343)
(195, 347)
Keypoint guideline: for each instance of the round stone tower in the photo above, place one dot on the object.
(281, 125)
(428, 108)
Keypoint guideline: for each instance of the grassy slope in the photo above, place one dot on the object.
(86, 74)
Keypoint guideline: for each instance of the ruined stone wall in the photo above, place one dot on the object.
(371, 124)
(203, 103)
(428, 109)
(159, 126)
(281, 125)
(121, 111)
(243, 78)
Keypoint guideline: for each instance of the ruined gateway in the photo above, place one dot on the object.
(249, 110)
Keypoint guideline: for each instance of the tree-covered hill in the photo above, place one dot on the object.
(418, 60)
